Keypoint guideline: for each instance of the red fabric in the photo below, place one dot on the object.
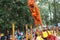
(51, 37)
(34, 38)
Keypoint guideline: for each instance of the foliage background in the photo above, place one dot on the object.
(18, 11)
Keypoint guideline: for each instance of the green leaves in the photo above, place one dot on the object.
(18, 11)
(47, 9)
(14, 10)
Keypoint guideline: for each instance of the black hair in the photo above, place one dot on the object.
(36, 35)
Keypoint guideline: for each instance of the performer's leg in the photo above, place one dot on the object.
(36, 22)
(35, 19)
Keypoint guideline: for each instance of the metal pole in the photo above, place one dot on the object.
(26, 32)
(13, 27)
(31, 31)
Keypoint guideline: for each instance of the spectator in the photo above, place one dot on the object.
(45, 34)
(7, 34)
(39, 37)
(35, 36)
(19, 37)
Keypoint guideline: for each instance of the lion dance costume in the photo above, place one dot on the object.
(35, 12)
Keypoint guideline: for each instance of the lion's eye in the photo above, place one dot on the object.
(32, 6)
